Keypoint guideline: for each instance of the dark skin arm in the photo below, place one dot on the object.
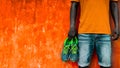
(73, 15)
(115, 16)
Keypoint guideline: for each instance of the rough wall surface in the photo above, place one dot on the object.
(32, 34)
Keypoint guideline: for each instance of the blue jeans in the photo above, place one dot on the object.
(87, 43)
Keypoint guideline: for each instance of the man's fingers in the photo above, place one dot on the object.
(71, 34)
(115, 37)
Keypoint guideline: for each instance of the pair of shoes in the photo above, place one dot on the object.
(70, 50)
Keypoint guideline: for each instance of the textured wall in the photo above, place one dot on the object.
(32, 34)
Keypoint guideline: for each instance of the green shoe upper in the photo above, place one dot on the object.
(74, 47)
(66, 47)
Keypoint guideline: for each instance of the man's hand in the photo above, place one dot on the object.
(71, 34)
(115, 34)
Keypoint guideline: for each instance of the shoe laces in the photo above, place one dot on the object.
(74, 46)
(74, 49)
(66, 49)
(67, 44)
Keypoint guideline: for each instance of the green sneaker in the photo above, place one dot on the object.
(65, 51)
(74, 50)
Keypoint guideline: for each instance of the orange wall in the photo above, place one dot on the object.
(32, 34)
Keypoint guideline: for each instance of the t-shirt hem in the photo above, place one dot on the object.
(93, 33)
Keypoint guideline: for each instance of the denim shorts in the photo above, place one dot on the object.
(100, 42)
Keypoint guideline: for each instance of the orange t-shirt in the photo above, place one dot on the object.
(94, 16)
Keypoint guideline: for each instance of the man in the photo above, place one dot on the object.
(94, 29)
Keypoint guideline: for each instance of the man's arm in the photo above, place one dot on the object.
(115, 15)
(73, 16)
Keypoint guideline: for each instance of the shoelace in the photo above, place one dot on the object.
(74, 46)
(74, 49)
(66, 46)
(66, 49)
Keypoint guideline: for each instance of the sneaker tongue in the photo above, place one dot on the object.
(67, 42)
(74, 41)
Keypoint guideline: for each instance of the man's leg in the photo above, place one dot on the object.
(86, 47)
(103, 49)
(84, 67)
(104, 67)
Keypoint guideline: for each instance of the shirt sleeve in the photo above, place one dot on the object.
(76, 0)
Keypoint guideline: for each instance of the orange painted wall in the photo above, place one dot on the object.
(32, 34)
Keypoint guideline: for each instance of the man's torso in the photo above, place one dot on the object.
(94, 17)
